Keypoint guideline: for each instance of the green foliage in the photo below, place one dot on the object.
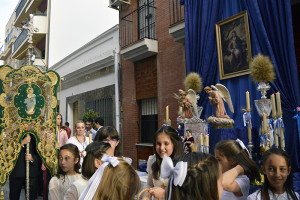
(90, 114)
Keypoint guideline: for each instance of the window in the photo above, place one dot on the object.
(104, 107)
(146, 19)
(148, 119)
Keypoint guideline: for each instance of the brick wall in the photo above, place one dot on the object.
(138, 81)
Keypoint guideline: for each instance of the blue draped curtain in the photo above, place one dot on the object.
(271, 34)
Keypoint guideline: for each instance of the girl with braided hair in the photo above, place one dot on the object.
(237, 167)
(198, 177)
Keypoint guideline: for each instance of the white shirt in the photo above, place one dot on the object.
(76, 188)
(81, 146)
(257, 196)
(244, 183)
(59, 186)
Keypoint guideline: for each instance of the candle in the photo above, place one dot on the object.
(167, 114)
(201, 142)
(282, 142)
(180, 110)
(90, 138)
(264, 124)
(273, 106)
(248, 101)
(279, 112)
(207, 143)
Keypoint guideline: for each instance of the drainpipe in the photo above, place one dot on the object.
(48, 34)
(117, 92)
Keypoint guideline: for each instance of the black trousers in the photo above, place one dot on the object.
(15, 187)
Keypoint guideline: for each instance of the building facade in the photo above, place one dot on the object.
(90, 80)
(153, 68)
(37, 12)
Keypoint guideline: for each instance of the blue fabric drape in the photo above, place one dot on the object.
(271, 34)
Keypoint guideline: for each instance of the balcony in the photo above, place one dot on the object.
(137, 33)
(177, 24)
(19, 46)
(23, 10)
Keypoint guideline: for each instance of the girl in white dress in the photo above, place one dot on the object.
(166, 142)
(79, 139)
(68, 172)
(91, 162)
(237, 169)
(278, 176)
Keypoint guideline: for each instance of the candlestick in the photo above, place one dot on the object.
(167, 114)
(248, 101)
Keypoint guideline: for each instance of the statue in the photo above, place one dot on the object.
(217, 95)
(188, 142)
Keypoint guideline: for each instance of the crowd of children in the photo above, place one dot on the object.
(103, 173)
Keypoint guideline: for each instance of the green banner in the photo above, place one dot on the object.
(28, 101)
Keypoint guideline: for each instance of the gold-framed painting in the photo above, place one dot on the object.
(234, 47)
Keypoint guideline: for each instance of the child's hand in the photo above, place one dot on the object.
(157, 192)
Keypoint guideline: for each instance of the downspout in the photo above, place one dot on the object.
(117, 92)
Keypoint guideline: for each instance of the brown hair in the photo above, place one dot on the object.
(233, 151)
(120, 182)
(109, 131)
(177, 151)
(74, 150)
(201, 180)
(93, 151)
(288, 185)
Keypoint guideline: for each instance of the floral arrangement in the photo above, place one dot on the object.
(82, 153)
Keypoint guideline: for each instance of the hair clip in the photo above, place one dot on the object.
(241, 143)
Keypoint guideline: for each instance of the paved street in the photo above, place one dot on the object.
(6, 192)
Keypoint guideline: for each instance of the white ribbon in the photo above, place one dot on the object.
(177, 173)
(241, 143)
(93, 183)
(112, 160)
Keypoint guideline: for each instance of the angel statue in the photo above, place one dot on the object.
(218, 93)
(188, 102)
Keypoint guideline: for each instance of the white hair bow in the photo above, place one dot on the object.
(93, 183)
(241, 143)
(177, 173)
(111, 160)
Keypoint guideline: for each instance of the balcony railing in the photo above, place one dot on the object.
(138, 25)
(20, 39)
(176, 12)
(20, 8)
(10, 36)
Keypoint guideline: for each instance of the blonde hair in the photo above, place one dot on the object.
(120, 182)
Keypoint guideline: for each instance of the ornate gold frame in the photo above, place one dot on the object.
(237, 23)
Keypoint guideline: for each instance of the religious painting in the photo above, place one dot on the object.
(234, 48)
